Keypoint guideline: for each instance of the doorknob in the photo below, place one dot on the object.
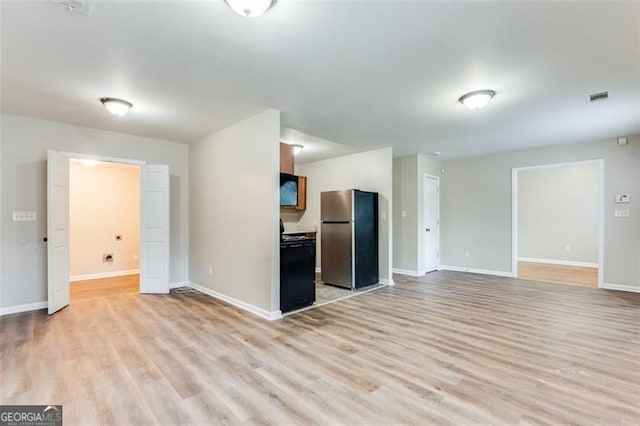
(428, 229)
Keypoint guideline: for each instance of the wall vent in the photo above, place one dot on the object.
(601, 96)
(80, 6)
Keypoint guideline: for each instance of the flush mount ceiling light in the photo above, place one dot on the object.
(89, 163)
(478, 99)
(297, 148)
(250, 8)
(116, 106)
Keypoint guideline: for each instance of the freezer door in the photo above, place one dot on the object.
(336, 206)
(336, 254)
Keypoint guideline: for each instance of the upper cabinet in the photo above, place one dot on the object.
(286, 158)
(293, 189)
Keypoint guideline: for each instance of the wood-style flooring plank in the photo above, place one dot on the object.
(104, 287)
(446, 348)
(564, 274)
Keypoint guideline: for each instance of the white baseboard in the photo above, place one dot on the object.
(386, 281)
(409, 272)
(621, 287)
(23, 308)
(475, 271)
(558, 262)
(103, 275)
(271, 316)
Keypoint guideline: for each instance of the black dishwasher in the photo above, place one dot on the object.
(297, 272)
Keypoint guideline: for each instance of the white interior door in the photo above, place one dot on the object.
(431, 223)
(154, 229)
(57, 231)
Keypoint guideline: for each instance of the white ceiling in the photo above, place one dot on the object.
(366, 74)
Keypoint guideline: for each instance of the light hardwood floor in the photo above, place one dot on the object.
(104, 287)
(447, 348)
(576, 275)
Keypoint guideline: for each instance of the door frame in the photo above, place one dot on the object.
(108, 159)
(514, 210)
(421, 224)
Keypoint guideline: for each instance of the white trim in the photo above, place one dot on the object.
(558, 262)
(601, 223)
(514, 222)
(23, 308)
(601, 213)
(475, 271)
(554, 165)
(421, 222)
(103, 275)
(386, 281)
(621, 287)
(271, 316)
(407, 272)
(83, 156)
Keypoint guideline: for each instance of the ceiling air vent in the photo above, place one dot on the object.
(80, 6)
(601, 96)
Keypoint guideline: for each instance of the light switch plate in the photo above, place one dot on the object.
(24, 216)
(621, 198)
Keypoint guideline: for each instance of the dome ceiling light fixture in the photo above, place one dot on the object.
(477, 99)
(250, 8)
(297, 148)
(89, 163)
(116, 106)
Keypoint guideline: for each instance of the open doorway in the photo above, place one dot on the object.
(154, 226)
(558, 223)
(104, 229)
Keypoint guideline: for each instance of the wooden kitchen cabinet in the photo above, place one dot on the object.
(302, 193)
(286, 158)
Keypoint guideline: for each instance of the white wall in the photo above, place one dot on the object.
(405, 200)
(476, 206)
(367, 171)
(104, 201)
(558, 209)
(234, 228)
(24, 143)
(408, 231)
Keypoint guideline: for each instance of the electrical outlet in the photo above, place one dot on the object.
(24, 216)
(467, 253)
(404, 213)
(621, 198)
(210, 270)
(567, 248)
(622, 213)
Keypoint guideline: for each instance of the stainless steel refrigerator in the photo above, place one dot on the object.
(349, 238)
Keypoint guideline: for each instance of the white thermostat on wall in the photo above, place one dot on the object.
(621, 198)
